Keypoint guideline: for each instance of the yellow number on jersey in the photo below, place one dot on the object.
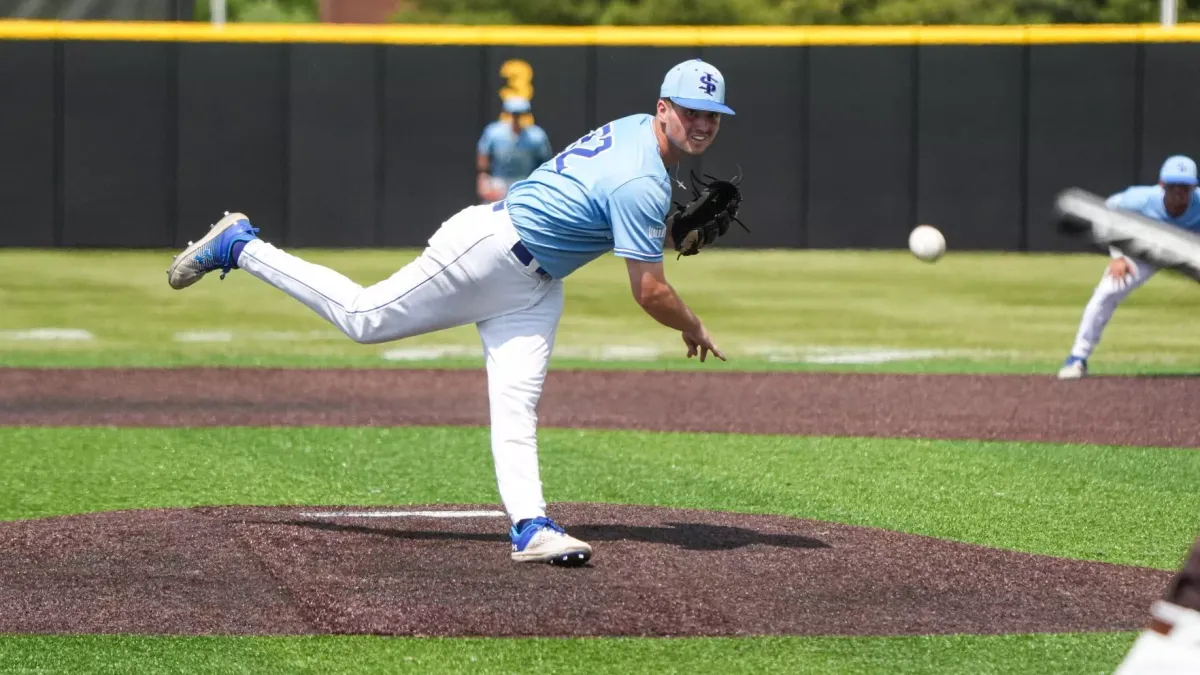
(519, 77)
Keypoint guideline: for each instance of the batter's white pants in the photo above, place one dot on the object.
(467, 274)
(1176, 653)
(1108, 294)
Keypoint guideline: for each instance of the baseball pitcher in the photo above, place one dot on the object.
(1175, 200)
(501, 267)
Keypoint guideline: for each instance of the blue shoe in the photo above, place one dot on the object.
(1073, 368)
(542, 540)
(213, 252)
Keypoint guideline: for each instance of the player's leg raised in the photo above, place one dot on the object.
(463, 276)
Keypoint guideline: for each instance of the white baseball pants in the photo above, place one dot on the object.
(469, 273)
(1108, 294)
(1176, 653)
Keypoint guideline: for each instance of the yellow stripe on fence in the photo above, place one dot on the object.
(680, 36)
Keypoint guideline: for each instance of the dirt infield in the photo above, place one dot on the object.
(244, 570)
(1105, 410)
(657, 572)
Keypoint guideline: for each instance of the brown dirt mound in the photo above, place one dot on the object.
(656, 572)
(1106, 410)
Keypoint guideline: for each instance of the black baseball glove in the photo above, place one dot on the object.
(707, 216)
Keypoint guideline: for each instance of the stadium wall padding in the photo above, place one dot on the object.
(144, 143)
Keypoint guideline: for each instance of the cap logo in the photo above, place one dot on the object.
(708, 83)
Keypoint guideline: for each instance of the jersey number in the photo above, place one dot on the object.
(587, 147)
(518, 77)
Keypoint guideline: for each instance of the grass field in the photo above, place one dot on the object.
(1120, 505)
(985, 313)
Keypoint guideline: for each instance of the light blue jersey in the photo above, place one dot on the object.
(1148, 201)
(512, 157)
(608, 191)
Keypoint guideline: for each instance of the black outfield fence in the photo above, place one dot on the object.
(136, 139)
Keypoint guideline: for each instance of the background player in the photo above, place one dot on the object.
(1173, 200)
(500, 266)
(508, 151)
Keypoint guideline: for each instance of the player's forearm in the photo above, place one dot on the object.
(665, 306)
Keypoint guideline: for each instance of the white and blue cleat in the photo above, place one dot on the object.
(213, 252)
(1074, 368)
(544, 541)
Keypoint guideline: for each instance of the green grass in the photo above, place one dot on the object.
(989, 312)
(978, 655)
(1009, 312)
(1122, 505)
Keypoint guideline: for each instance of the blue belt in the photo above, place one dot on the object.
(519, 249)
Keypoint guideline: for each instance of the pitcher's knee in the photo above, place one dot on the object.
(363, 324)
(365, 333)
(360, 328)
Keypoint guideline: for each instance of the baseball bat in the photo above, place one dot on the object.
(1083, 214)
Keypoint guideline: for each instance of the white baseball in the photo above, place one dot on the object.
(927, 243)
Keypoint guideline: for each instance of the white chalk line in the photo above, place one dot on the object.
(48, 335)
(866, 356)
(814, 354)
(817, 354)
(256, 336)
(404, 514)
(431, 353)
(861, 355)
(602, 353)
(204, 336)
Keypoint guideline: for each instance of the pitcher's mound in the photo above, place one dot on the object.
(414, 571)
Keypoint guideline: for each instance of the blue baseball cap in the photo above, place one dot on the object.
(1178, 170)
(515, 105)
(697, 85)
